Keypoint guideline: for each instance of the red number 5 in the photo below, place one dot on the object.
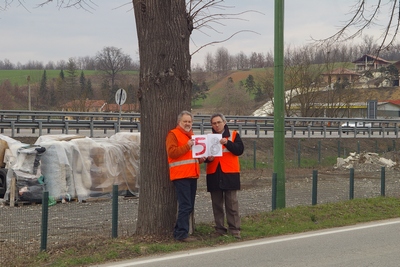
(198, 143)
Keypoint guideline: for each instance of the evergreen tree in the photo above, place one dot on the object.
(89, 89)
(43, 92)
(82, 83)
(60, 88)
(199, 91)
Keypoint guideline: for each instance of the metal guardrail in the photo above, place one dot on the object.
(247, 126)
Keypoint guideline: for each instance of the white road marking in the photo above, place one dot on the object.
(257, 243)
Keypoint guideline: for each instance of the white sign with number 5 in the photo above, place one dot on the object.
(207, 145)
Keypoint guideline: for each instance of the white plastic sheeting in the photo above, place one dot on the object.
(79, 167)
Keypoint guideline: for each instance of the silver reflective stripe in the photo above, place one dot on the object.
(183, 162)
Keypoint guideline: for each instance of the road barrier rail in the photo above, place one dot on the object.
(44, 122)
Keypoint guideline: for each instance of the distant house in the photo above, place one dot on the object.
(84, 105)
(389, 108)
(124, 108)
(340, 74)
(369, 62)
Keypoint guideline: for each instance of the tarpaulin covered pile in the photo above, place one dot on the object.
(74, 166)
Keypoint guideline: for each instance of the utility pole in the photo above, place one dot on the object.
(29, 92)
(279, 106)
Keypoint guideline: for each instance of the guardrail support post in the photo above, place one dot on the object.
(40, 128)
(12, 129)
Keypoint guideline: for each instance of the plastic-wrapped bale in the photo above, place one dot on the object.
(130, 145)
(116, 162)
(81, 163)
(56, 169)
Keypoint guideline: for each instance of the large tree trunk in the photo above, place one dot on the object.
(164, 91)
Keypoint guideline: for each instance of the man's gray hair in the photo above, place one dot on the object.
(185, 112)
(218, 115)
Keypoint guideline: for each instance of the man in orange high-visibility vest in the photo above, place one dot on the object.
(184, 170)
(223, 178)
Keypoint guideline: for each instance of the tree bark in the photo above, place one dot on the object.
(164, 91)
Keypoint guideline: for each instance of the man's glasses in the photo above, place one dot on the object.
(216, 122)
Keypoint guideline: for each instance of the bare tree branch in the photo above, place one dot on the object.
(363, 18)
(221, 41)
(201, 15)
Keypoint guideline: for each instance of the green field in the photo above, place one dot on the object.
(19, 77)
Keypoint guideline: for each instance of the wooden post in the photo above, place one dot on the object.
(12, 191)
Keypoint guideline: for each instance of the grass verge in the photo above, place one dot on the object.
(279, 222)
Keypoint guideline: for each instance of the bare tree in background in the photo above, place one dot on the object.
(366, 14)
(222, 59)
(111, 61)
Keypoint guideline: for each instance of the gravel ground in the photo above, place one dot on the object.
(81, 222)
(93, 217)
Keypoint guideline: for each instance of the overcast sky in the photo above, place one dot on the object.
(48, 33)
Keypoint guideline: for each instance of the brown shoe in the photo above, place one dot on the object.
(217, 234)
(237, 236)
(188, 239)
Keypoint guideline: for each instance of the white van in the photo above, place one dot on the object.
(349, 126)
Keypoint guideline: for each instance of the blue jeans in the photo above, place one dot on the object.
(186, 194)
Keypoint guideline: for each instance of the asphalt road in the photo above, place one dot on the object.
(367, 244)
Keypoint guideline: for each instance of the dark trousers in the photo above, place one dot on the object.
(228, 198)
(186, 194)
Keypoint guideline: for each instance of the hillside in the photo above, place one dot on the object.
(216, 81)
(217, 85)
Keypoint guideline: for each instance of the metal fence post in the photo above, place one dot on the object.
(45, 221)
(383, 181)
(351, 189)
(314, 187)
(114, 227)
